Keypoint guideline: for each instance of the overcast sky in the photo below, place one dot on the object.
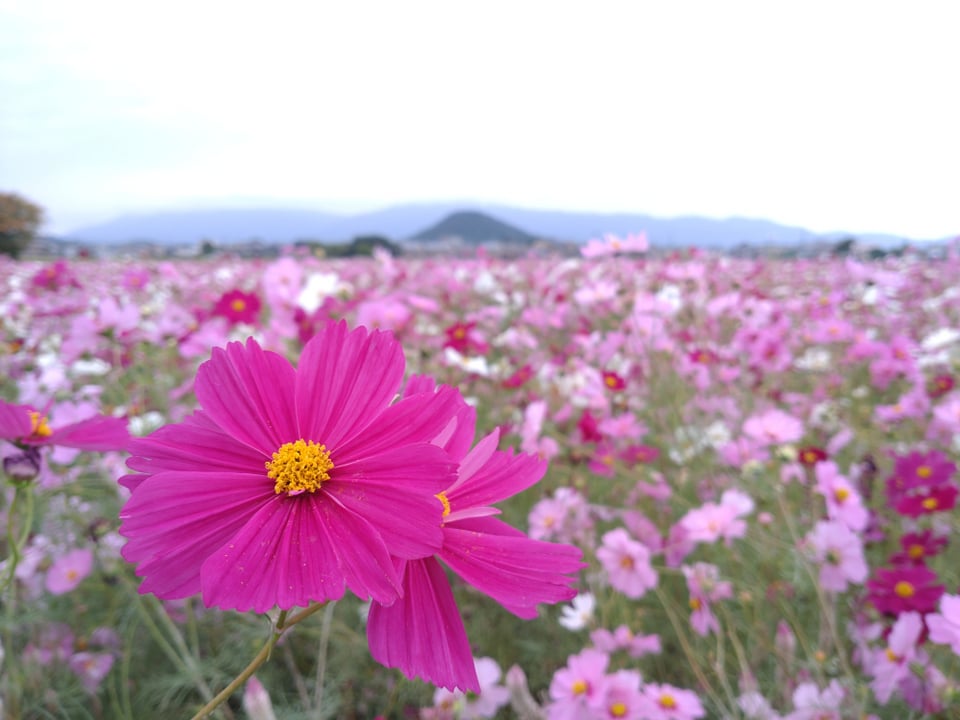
(833, 115)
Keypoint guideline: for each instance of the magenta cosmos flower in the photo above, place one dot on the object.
(422, 634)
(290, 485)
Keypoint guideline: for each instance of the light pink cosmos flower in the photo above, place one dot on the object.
(705, 587)
(621, 698)
(839, 551)
(485, 702)
(612, 245)
(945, 625)
(490, 555)
(627, 563)
(773, 427)
(713, 521)
(291, 485)
(576, 689)
(69, 570)
(844, 503)
(665, 702)
(891, 665)
(28, 427)
(91, 668)
(810, 703)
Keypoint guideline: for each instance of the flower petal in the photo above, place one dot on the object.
(422, 634)
(417, 419)
(173, 521)
(294, 551)
(501, 475)
(248, 393)
(514, 570)
(395, 492)
(345, 379)
(99, 434)
(14, 421)
(194, 443)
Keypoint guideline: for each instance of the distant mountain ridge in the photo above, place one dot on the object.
(474, 228)
(403, 222)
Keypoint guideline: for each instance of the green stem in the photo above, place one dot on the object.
(15, 542)
(282, 625)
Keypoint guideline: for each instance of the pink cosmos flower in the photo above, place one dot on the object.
(627, 563)
(705, 587)
(485, 702)
(904, 588)
(621, 698)
(623, 638)
(773, 427)
(91, 668)
(26, 426)
(891, 665)
(844, 503)
(290, 485)
(810, 703)
(69, 570)
(839, 551)
(490, 555)
(665, 702)
(945, 625)
(238, 306)
(916, 547)
(578, 687)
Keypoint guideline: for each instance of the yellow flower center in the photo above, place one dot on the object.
(610, 380)
(238, 305)
(924, 471)
(299, 467)
(459, 333)
(930, 503)
(667, 701)
(891, 655)
(695, 604)
(841, 494)
(904, 589)
(38, 425)
(810, 457)
(618, 709)
(445, 502)
(579, 687)
(626, 562)
(916, 551)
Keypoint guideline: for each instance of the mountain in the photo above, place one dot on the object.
(474, 228)
(280, 225)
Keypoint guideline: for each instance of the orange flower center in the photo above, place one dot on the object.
(38, 425)
(695, 604)
(579, 687)
(924, 471)
(916, 551)
(667, 701)
(841, 494)
(299, 467)
(930, 503)
(904, 589)
(238, 305)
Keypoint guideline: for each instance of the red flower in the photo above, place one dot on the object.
(917, 547)
(462, 338)
(613, 381)
(916, 473)
(905, 588)
(811, 455)
(940, 385)
(238, 307)
(936, 499)
(520, 377)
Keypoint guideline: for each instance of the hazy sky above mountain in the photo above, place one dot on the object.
(826, 114)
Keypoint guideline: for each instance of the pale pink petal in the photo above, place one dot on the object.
(422, 634)
(344, 380)
(247, 392)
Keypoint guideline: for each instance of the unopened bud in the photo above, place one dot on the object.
(22, 467)
(256, 701)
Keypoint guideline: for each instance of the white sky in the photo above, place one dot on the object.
(833, 115)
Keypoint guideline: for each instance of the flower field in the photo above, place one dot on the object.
(610, 486)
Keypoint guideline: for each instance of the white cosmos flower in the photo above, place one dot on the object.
(579, 614)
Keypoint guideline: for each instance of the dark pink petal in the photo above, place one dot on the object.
(14, 421)
(294, 551)
(422, 634)
(345, 379)
(395, 492)
(418, 419)
(99, 434)
(509, 567)
(457, 437)
(248, 393)
(502, 475)
(173, 521)
(194, 444)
